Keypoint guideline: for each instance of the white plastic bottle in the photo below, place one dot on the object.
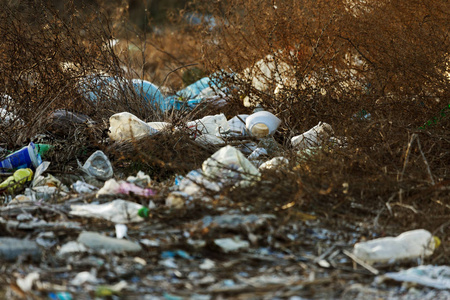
(262, 123)
(412, 244)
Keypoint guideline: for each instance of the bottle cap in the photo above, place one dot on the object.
(260, 130)
(437, 241)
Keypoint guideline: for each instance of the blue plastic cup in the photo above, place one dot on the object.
(27, 157)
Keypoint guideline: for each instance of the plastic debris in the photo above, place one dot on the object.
(141, 179)
(84, 277)
(117, 211)
(274, 163)
(229, 164)
(214, 125)
(237, 124)
(98, 242)
(408, 245)
(231, 244)
(71, 248)
(313, 137)
(262, 124)
(27, 157)
(12, 248)
(113, 187)
(17, 180)
(98, 166)
(125, 126)
(437, 277)
(121, 231)
(82, 187)
(27, 283)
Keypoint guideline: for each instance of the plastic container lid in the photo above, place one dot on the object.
(260, 130)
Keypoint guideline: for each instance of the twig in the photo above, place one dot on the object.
(176, 69)
(361, 263)
(408, 152)
(426, 162)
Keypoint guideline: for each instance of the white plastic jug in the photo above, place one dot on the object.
(126, 126)
(262, 123)
(313, 137)
(408, 245)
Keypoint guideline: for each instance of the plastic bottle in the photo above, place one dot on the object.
(262, 124)
(412, 244)
(98, 166)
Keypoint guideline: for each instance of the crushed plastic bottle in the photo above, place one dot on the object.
(98, 166)
(412, 244)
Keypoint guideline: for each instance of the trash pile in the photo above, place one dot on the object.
(100, 232)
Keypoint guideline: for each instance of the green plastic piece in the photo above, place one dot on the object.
(143, 212)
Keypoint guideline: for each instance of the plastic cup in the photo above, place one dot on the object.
(262, 124)
(27, 157)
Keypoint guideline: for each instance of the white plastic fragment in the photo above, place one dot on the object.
(231, 244)
(159, 125)
(71, 247)
(195, 183)
(121, 231)
(117, 211)
(84, 277)
(237, 124)
(82, 187)
(209, 139)
(207, 264)
(113, 187)
(214, 125)
(141, 179)
(100, 243)
(229, 164)
(257, 153)
(176, 199)
(26, 283)
(275, 163)
(313, 137)
(437, 277)
(125, 126)
(412, 244)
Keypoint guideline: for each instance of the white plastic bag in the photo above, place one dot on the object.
(229, 164)
(214, 125)
(412, 244)
(117, 211)
(125, 126)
